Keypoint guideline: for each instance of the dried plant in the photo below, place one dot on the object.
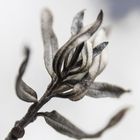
(73, 69)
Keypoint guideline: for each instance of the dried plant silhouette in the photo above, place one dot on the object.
(73, 69)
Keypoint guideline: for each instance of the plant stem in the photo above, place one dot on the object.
(18, 130)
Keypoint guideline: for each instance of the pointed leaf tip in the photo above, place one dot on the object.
(106, 43)
(23, 91)
(26, 51)
(128, 90)
(113, 122)
(99, 48)
(117, 117)
(102, 90)
(101, 15)
(25, 61)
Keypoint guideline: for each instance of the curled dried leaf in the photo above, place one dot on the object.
(101, 90)
(49, 40)
(62, 125)
(23, 91)
(100, 61)
(25, 61)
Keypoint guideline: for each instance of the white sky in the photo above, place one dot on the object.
(20, 24)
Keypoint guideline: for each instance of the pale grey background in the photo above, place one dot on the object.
(20, 24)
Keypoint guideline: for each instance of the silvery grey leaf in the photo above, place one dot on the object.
(101, 90)
(49, 40)
(63, 126)
(100, 61)
(23, 91)
(99, 48)
(77, 23)
(73, 42)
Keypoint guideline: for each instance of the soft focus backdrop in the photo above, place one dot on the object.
(20, 25)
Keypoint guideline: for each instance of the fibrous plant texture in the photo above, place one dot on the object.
(73, 69)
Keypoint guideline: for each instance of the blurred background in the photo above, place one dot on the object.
(20, 25)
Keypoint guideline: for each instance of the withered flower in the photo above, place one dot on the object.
(80, 60)
(73, 69)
